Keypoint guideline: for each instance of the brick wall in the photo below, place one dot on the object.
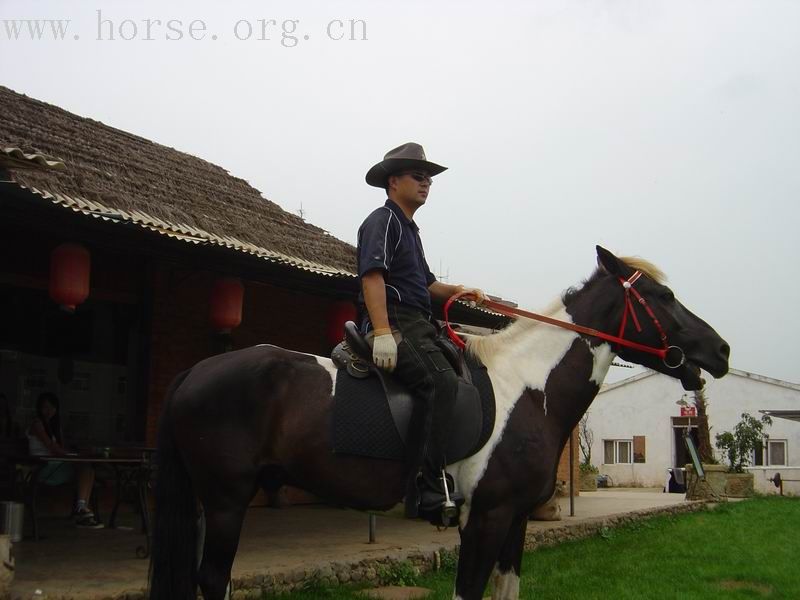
(563, 464)
(182, 336)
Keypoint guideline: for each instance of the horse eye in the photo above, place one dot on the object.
(668, 296)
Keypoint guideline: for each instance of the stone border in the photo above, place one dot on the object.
(379, 571)
(551, 536)
(422, 561)
(373, 571)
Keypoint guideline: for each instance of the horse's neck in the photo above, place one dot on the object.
(527, 354)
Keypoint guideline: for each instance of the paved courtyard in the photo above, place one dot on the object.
(102, 564)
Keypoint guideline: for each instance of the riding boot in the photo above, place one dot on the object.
(425, 494)
(438, 499)
(436, 505)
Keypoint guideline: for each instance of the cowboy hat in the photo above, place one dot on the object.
(407, 156)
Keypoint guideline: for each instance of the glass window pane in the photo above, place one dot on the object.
(624, 452)
(758, 455)
(777, 453)
(608, 452)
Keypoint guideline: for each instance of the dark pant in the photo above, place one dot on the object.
(423, 368)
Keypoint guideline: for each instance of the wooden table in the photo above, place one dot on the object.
(132, 468)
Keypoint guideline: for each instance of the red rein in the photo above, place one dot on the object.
(628, 308)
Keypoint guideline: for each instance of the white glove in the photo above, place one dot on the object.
(478, 296)
(384, 352)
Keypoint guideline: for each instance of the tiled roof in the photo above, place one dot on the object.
(106, 173)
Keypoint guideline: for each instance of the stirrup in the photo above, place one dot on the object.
(449, 508)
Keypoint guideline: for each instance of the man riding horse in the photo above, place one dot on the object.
(261, 417)
(396, 291)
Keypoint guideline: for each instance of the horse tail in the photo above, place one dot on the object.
(173, 566)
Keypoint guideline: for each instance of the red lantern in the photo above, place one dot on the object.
(70, 265)
(340, 313)
(226, 304)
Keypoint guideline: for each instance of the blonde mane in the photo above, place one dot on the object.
(646, 267)
(484, 347)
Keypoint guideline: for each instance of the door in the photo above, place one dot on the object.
(681, 455)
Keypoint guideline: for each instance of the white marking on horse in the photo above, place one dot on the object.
(328, 365)
(603, 356)
(325, 363)
(506, 585)
(521, 356)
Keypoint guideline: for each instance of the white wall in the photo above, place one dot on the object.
(641, 405)
(763, 485)
(645, 403)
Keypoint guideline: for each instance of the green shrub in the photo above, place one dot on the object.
(739, 444)
(449, 560)
(398, 573)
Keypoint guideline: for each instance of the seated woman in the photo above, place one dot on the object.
(44, 439)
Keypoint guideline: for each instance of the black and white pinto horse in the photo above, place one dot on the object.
(261, 417)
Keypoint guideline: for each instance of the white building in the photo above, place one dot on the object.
(638, 428)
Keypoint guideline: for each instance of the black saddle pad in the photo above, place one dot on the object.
(367, 422)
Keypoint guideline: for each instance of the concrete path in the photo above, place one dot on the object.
(101, 564)
(612, 501)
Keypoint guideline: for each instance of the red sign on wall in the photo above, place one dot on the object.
(688, 411)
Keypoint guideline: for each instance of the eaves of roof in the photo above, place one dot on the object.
(735, 372)
(182, 232)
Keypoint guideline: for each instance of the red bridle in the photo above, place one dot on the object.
(627, 309)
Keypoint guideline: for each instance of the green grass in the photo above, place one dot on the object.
(746, 549)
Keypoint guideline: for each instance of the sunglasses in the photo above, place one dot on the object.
(418, 177)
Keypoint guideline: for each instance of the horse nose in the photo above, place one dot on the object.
(725, 350)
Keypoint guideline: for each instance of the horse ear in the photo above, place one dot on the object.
(607, 261)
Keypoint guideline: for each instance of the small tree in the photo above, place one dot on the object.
(585, 441)
(746, 437)
(704, 448)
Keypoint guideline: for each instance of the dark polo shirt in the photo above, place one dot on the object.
(390, 242)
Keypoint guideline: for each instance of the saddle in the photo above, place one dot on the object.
(375, 416)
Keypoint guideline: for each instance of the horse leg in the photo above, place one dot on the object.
(223, 527)
(481, 543)
(509, 563)
(224, 494)
(201, 536)
(201, 541)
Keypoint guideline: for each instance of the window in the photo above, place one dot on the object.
(758, 456)
(608, 452)
(639, 449)
(624, 452)
(776, 452)
(772, 453)
(617, 452)
(81, 382)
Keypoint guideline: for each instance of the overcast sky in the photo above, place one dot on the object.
(668, 130)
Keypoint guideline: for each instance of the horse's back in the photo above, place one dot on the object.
(241, 371)
(239, 401)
